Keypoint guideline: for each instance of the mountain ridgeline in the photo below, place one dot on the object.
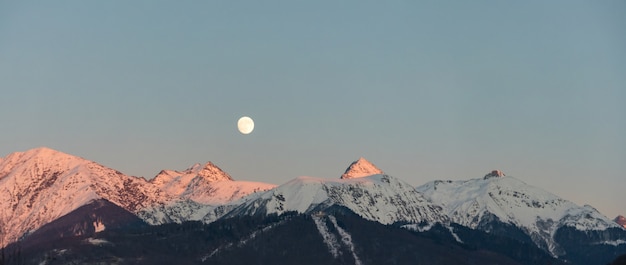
(56, 208)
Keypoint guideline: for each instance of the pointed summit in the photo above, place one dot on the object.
(211, 172)
(360, 168)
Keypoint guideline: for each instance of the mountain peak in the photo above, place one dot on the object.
(41, 158)
(621, 220)
(43, 152)
(360, 168)
(194, 168)
(494, 174)
(39, 185)
(211, 172)
(42, 149)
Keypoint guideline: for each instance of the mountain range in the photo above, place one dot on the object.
(51, 198)
(506, 205)
(41, 185)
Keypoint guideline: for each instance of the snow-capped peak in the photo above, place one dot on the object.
(177, 181)
(39, 154)
(41, 151)
(363, 188)
(212, 173)
(206, 184)
(476, 202)
(380, 198)
(40, 185)
(38, 161)
(361, 168)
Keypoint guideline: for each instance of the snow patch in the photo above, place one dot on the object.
(456, 237)
(329, 239)
(98, 226)
(613, 242)
(255, 233)
(346, 238)
(418, 227)
(97, 241)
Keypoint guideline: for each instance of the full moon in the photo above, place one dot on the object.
(245, 125)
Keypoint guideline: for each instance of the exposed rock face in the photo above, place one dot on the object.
(621, 220)
(495, 174)
(361, 168)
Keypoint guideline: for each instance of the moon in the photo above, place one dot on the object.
(245, 125)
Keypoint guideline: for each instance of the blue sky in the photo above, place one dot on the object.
(425, 90)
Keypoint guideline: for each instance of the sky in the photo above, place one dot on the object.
(425, 90)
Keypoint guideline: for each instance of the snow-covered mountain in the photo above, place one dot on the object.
(206, 184)
(41, 185)
(64, 195)
(477, 203)
(362, 189)
(202, 192)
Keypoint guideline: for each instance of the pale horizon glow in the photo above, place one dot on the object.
(425, 91)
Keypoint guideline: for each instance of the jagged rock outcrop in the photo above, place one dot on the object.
(494, 174)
